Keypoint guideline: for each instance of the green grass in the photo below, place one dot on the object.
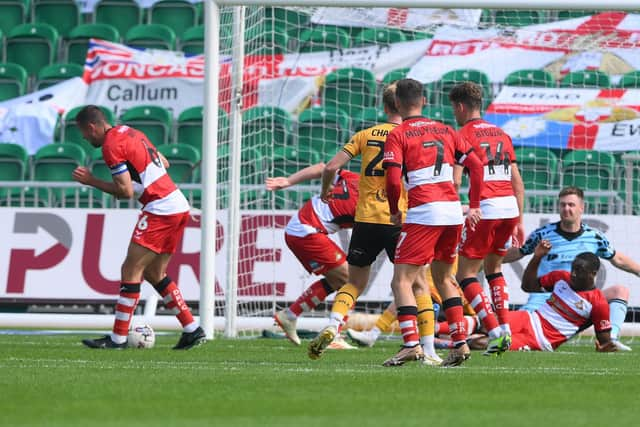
(54, 381)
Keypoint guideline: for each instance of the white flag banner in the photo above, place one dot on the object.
(288, 80)
(30, 120)
(406, 19)
(121, 77)
(608, 42)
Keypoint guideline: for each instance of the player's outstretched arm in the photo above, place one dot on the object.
(329, 173)
(624, 262)
(281, 182)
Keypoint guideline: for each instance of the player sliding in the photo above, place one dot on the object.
(136, 166)
(307, 235)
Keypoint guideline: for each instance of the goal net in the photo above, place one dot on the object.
(564, 84)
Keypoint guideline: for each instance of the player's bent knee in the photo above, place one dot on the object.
(616, 292)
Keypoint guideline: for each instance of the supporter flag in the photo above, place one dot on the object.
(406, 19)
(608, 42)
(594, 119)
(30, 120)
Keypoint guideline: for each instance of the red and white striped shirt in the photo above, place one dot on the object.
(567, 311)
(426, 151)
(316, 216)
(495, 150)
(127, 149)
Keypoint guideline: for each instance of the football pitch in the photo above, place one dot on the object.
(55, 381)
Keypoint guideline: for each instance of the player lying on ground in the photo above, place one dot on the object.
(574, 305)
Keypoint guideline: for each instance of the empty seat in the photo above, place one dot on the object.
(78, 41)
(368, 117)
(592, 171)
(370, 36)
(539, 170)
(63, 15)
(183, 161)
(452, 78)
(393, 75)
(121, 14)
(630, 80)
(151, 36)
(441, 113)
(179, 15)
(288, 160)
(586, 79)
(350, 89)
(322, 130)
(13, 81)
(154, 121)
(266, 127)
(32, 45)
(192, 40)
(56, 162)
(12, 14)
(13, 164)
(321, 38)
(266, 38)
(56, 73)
(518, 18)
(190, 130)
(530, 78)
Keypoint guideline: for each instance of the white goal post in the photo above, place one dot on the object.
(210, 214)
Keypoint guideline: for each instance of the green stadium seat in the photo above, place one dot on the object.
(591, 171)
(190, 130)
(13, 81)
(63, 15)
(417, 35)
(530, 78)
(539, 170)
(121, 14)
(441, 113)
(27, 197)
(350, 89)
(621, 179)
(56, 73)
(322, 130)
(69, 130)
(288, 160)
(294, 21)
(266, 39)
(179, 15)
(382, 36)
(83, 197)
(253, 167)
(570, 14)
(322, 38)
(518, 18)
(32, 45)
(56, 162)
(12, 14)
(14, 161)
(154, 121)
(586, 79)
(368, 117)
(264, 128)
(192, 40)
(393, 75)
(452, 78)
(183, 161)
(100, 169)
(75, 48)
(630, 80)
(151, 36)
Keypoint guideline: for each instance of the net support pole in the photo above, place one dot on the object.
(235, 165)
(209, 168)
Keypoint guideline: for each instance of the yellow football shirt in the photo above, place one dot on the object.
(372, 200)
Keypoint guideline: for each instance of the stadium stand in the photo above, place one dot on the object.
(121, 14)
(77, 43)
(530, 78)
(13, 81)
(32, 45)
(56, 73)
(179, 15)
(154, 121)
(63, 15)
(151, 36)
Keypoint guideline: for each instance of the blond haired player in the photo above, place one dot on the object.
(372, 231)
